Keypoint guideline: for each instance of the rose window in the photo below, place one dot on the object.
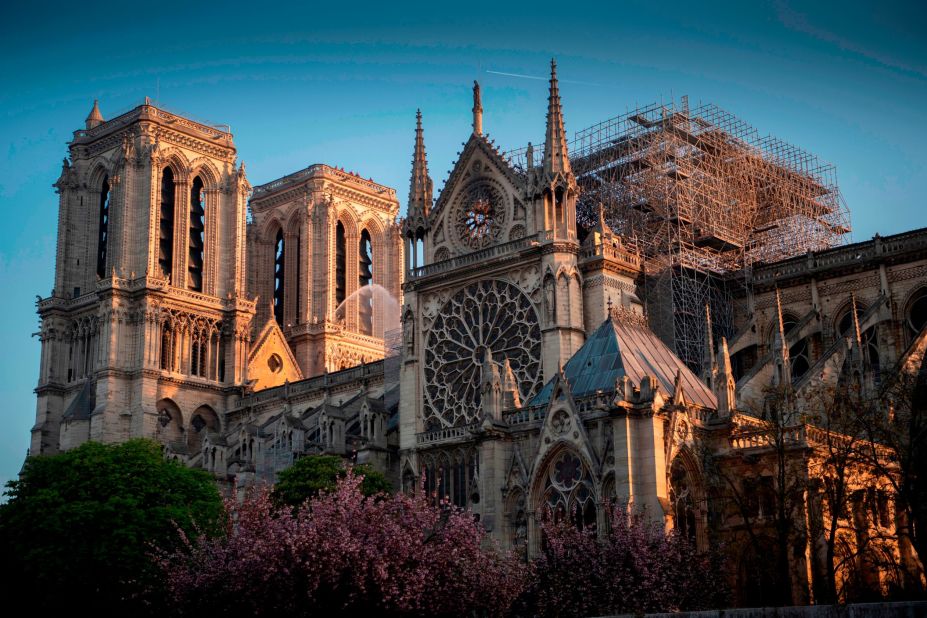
(480, 215)
(489, 315)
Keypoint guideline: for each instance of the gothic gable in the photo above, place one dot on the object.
(271, 362)
(563, 427)
(480, 204)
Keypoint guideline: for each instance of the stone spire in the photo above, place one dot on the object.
(710, 369)
(420, 187)
(556, 160)
(492, 388)
(95, 118)
(477, 109)
(725, 388)
(782, 347)
(510, 397)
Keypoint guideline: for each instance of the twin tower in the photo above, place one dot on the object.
(170, 302)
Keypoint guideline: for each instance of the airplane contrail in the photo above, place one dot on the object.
(565, 81)
(516, 75)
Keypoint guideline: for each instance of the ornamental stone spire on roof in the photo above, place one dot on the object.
(556, 159)
(95, 118)
(477, 109)
(420, 187)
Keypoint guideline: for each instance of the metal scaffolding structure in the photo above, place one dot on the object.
(702, 195)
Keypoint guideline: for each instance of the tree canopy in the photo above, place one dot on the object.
(79, 526)
(310, 475)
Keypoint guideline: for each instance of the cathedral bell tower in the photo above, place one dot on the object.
(145, 332)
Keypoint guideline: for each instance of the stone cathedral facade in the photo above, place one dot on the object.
(524, 379)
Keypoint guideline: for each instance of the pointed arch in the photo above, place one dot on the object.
(196, 239)
(103, 230)
(170, 425)
(96, 173)
(205, 169)
(167, 198)
(687, 496)
(175, 159)
(203, 420)
(564, 486)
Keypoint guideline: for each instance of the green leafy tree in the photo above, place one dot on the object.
(316, 473)
(78, 527)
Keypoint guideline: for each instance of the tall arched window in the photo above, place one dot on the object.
(341, 269)
(365, 278)
(279, 265)
(166, 228)
(104, 228)
(197, 230)
(916, 313)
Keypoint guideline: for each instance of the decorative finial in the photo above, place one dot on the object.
(477, 109)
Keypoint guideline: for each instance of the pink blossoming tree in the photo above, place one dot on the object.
(346, 554)
(635, 567)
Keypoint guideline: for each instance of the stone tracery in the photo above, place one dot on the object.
(492, 315)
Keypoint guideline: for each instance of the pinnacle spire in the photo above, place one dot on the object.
(420, 187)
(477, 109)
(556, 159)
(95, 118)
(711, 367)
(782, 351)
(725, 388)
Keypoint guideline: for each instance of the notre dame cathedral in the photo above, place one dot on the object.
(552, 332)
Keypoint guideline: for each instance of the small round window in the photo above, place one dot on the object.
(275, 363)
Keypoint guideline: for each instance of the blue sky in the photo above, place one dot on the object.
(340, 82)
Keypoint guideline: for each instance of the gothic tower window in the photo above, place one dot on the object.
(365, 278)
(341, 269)
(197, 229)
(104, 228)
(167, 348)
(279, 284)
(166, 228)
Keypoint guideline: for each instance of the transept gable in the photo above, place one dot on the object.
(271, 362)
(477, 147)
(481, 203)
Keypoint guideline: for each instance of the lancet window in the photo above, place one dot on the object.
(103, 238)
(197, 231)
(365, 278)
(166, 226)
(279, 276)
(341, 270)
(449, 477)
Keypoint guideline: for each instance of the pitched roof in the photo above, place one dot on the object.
(617, 349)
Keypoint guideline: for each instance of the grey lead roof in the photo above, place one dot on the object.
(618, 349)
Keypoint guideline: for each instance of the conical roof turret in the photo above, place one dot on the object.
(95, 118)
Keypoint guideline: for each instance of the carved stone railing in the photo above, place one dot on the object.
(146, 109)
(328, 380)
(607, 250)
(476, 256)
(766, 438)
(446, 434)
(319, 169)
(855, 254)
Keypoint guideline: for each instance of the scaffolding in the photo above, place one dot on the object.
(703, 196)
